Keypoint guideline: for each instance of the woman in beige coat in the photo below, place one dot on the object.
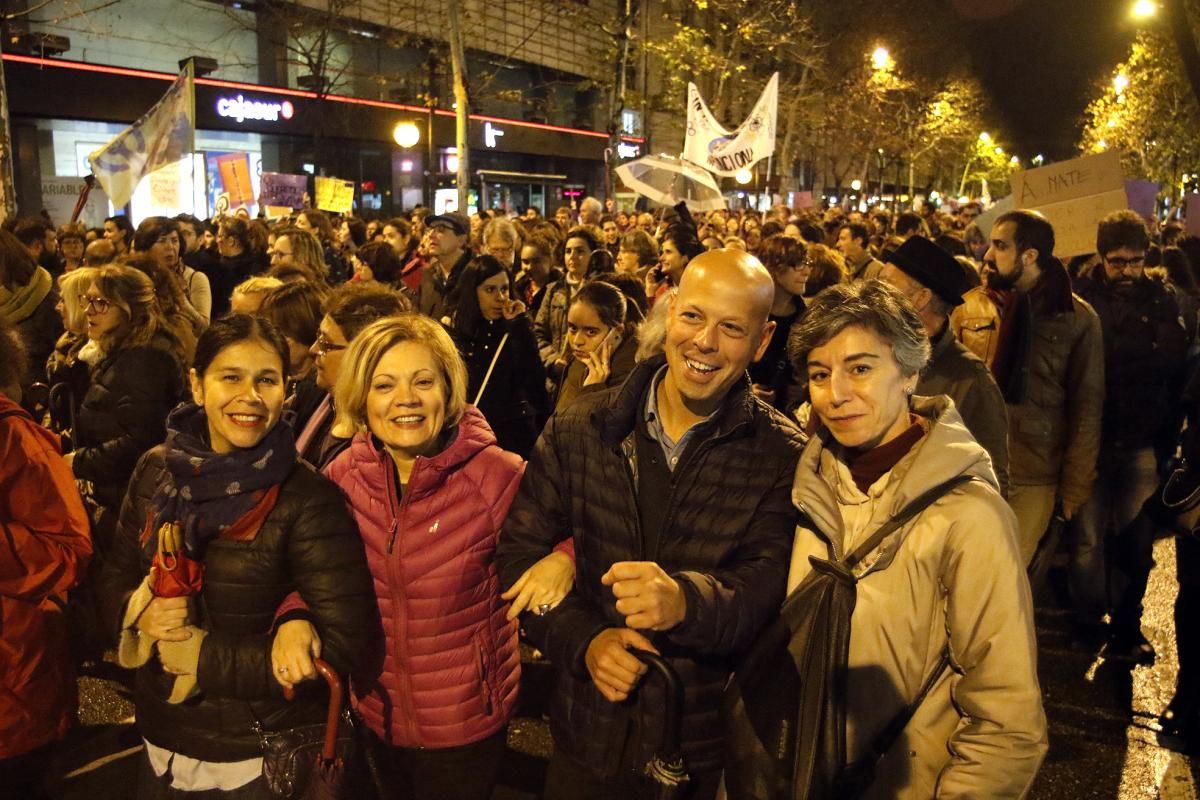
(950, 579)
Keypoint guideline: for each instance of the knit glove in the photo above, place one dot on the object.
(133, 649)
(182, 659)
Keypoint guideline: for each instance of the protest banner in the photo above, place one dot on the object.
(335, 194)
(234, 170)
(164, 135)
(805, 200)
(1074, 196)
(722, 152)
(59, 195)
(279, 189)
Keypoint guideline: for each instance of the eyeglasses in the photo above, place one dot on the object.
(97, 304)
(801, 266)
(323, 346)
(1125, 263)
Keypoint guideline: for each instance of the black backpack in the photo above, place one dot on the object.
(784, 709)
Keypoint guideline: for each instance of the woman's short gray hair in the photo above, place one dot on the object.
(874, 305)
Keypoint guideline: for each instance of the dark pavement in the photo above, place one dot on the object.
(1103, 742)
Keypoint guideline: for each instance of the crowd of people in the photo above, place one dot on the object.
(401, 446)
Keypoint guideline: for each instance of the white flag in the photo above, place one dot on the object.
(164, 135)
(726, 152)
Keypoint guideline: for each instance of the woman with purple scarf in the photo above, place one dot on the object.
(220, 524)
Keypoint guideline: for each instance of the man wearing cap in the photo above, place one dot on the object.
(448, 238)
(934, 282)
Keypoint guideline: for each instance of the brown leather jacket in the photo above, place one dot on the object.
(1054, 433)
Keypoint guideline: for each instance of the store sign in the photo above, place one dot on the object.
(490, 133)
(240, 109)
(627, 150)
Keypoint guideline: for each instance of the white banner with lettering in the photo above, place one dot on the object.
(724, 152)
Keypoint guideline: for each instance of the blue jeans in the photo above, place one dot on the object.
(1124, 481)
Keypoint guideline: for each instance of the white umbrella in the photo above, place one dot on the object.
(669, 181)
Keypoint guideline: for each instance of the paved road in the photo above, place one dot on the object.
(1101, 712)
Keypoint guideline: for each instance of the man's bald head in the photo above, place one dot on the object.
(717, 325)
(741, 276)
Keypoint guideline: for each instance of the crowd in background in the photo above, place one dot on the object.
(419, 363)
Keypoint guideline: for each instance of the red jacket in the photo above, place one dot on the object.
(44, 550)
(450, 671)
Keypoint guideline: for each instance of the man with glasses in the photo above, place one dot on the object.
(449, 235)
(1145, 344)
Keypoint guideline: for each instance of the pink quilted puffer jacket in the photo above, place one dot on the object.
(450, 668)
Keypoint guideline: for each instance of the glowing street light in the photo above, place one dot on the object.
(985, 137)
(1120, 83)
(1144, 9)
(743, 176)
(1101, 145)
(1039, 159)
(406, 134)
(881, 59)
(856, 184)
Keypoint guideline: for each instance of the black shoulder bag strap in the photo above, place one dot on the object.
(857, 777)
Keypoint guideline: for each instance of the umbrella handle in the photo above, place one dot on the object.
(673, 687)
(334, 714)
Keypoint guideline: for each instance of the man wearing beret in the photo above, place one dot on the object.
(449, 234)
(934, 282)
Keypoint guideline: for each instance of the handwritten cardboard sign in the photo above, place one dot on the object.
(279, 189)
(335, 194)
(1074, 196)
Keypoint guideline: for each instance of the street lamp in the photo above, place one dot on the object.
(856, 185)
(1039, 159)
(1120, 83)
(1144, 9)
(406, 134)
(985, 137)
(881, 59)
(743, 176)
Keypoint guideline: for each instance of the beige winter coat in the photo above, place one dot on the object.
(953, 570)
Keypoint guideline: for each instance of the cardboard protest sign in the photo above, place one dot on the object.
(805, 200)
(987, 219)
(1192, 209)
(1142, 196)
(1074, 196)
(280, 189)
(335, 194)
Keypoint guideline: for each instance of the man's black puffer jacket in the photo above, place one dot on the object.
(308, 543)
(124, 414)
(726, 537)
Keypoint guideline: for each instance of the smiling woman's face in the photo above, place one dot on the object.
(406, 403)
(857, 389)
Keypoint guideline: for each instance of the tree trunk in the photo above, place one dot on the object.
(8, 191)
(1185, 42)
(458, 60)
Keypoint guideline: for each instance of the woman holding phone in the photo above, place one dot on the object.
(601, 340)
(506, 379)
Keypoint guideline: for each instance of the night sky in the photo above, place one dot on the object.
(1038, 62)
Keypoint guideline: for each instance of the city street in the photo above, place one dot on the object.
(1102, 714)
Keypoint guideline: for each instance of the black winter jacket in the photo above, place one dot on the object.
(728, 530)
(308, 543)
(124, 414)
(515, 402)
(1145, 344)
